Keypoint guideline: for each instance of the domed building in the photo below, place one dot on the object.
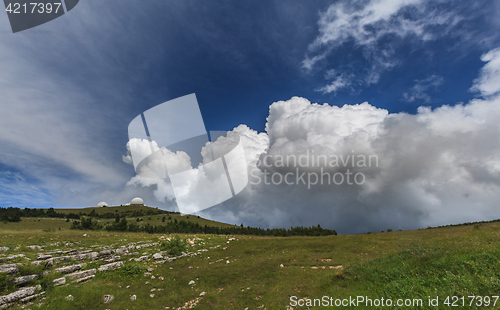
(102, 204)
(137, 201)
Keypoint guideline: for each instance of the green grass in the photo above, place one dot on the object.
(451, 261)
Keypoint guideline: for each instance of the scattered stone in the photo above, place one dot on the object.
(281, 266)
(4, 248)
(139, 259)
(111, 259)
(147, 274)
(25, 279)
(106, 252)
(157, 256)
(81, 274)
(202, 294)
(152, 295)
(111, 266)
(227, 262)
(108, 298)
(133, 297)
(153, 277)
(191, 282)
(34, 247)
(190, 304)
(6, 300)
(67, 269)
(59, 281)
(85, 279)
(9, 269)
(26, 299)
(43, 256)
(69, 298)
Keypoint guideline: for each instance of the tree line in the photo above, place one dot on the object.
(14, 214)
(121, 224)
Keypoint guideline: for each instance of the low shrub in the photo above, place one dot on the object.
(174, 247)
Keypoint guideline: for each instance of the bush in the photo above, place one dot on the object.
(86, 224)
(174, 247)
(132, 270)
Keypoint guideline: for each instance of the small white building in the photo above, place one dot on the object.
(137, 201)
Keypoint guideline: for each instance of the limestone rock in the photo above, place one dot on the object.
(111, 266)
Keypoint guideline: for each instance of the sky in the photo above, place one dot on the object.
(414, 82)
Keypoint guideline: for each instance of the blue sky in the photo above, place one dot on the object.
(69, 88)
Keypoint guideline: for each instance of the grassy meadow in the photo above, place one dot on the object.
(253, 272)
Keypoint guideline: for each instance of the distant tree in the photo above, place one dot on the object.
(163, 219)
(122, 226)
(51, 213)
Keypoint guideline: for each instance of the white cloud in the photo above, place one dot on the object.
(437, 167)
(339, 81)
(376, 27)
(28, 194)
(419, 91)
(488, 82)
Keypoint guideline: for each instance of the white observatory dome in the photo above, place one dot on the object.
(137, 201)
(102, 204)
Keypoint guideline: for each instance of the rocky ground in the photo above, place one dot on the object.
(70, 264)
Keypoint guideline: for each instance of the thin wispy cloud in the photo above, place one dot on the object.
(16, 191)
(419, 92)
(378, 28)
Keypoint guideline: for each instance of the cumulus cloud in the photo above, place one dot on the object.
(376, 28)
(488, 82)
(437, 167)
